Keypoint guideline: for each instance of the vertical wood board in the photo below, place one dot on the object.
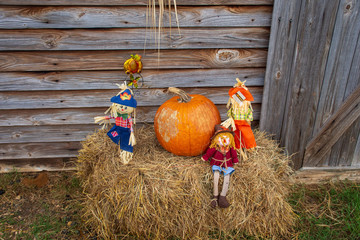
(342, 153)
(278, 70)
(340, 60)
(313, 40)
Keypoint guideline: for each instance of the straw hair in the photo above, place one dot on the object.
(159, 195)
(214, 142)
(157, 19)
(232, 103)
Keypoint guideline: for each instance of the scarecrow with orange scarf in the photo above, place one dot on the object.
(240, 115)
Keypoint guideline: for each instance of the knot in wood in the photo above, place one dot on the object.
(226, 55)
(278, 75)
(348, 8)
(51, 41)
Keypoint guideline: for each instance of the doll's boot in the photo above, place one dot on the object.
(214, 202)
(223, 202)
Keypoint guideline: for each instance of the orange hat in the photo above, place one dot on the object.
(244, 91)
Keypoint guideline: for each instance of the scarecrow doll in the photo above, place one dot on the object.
(222, 156)
(122, 133)
(240, 115)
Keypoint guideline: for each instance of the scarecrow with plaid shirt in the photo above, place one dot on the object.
(240, 115)
(122, 133)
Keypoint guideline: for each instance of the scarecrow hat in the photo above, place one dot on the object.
(241, 91)
(125, 98)
(221, 129)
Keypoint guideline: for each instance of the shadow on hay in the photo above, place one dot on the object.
(159, 195)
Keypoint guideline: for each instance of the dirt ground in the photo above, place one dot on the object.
(40, 208)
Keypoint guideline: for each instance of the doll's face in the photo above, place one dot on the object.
(122, 109)
(223, 141)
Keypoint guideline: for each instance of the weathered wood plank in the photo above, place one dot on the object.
(356, 158)
(39, 150)
(38, 134)
(132, 3)
(87, 80)
(342, 153)
(354, 75)
(101, 98)
(69, 133)
(131, 17)
(113, 60)
(313, 39)
(340, 61)
(41, 117)
(325, 175)
(132, 38)
(280, 57)
(36, 165)
(333, 129)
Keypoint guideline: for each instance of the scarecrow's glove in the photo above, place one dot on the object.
(132, 140)
(105, 121)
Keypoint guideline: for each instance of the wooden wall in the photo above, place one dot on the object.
(60, 60)
(312, 84)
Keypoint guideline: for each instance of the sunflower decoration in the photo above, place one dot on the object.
(133, 67)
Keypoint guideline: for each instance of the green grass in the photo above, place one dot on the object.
(329, 211)
(50, 212)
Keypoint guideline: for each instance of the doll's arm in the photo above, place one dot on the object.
(234, 156)
(132, 140)
(102, 121)
(230, 121)
(209, 153)
(249, 117)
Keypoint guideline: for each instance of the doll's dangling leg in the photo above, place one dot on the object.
(126, 152)
(223, 202)
(214, 201)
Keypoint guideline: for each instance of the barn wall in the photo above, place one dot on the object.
(312, 85)
(60, 61)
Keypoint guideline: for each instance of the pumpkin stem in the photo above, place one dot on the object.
(184, 97)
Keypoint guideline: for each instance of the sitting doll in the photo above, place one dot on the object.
(222, 156)
(122, 132)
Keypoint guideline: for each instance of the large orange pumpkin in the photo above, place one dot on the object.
(184, 124)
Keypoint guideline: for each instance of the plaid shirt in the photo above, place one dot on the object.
(241, 114)
(123, 122)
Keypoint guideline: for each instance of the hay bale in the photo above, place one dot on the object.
(159, 195)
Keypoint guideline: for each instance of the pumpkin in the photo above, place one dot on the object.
(185, 123)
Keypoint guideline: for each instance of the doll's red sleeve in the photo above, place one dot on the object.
(209, 153)
(234, 155)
